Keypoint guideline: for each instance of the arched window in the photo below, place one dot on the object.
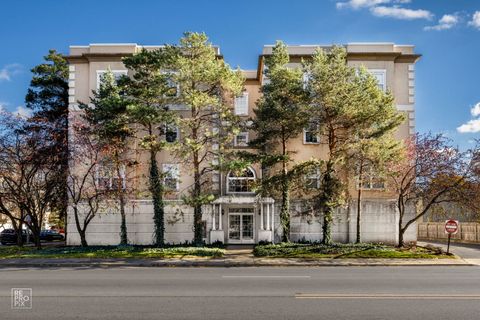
(240, 182)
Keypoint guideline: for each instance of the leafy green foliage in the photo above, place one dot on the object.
(47, 97)
(147, 94)
(280, 116)
(105, 252)
(207, 88)
(349, 110)
(108, 118)
(342, 251)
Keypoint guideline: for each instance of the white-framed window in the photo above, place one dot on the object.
(241, 140)
(310, 134)
(173, 88)
(171, 178)
(107, 177)
(381, 76)
(312, 179)
(306, 79)
(371, 180)
(241, 105)
(241, 182)
(116, 73)
(171, 133)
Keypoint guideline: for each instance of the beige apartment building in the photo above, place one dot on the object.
(238, 215)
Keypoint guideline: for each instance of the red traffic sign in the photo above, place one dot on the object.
(451, 226)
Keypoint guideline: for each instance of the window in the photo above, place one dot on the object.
(312, 180)
(371, 181)
(108, 179)
(241, 140)
(171, 176)
(171, 133)
(381, 76)
(173, 88)
(241, 105)
(241, 182)
(306, 78)
(310, 134)
(116, 73)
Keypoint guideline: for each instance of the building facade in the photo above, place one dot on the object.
(238, 215)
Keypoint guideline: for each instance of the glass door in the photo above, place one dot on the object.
(240, 225)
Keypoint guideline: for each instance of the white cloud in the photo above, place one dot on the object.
(397, 12)
(475, 111)
(472, 126)
(22, 112)
(475, 20)
(448, 21)
(357, 4)
(10, 70)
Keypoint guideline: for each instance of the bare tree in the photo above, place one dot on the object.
(28, 177)
(432, 172)
(84, 192)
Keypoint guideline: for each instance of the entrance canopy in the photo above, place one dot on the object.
(242, 200)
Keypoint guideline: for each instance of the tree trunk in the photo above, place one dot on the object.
(83, 238)
(328, 207)
(285, 211)
(197, 209)
(359, 202)
(401, 230)
(156, 188)
(123, 226)
(18, 230)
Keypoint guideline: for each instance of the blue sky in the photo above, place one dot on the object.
(445, 32)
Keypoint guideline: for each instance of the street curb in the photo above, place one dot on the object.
(218, 264)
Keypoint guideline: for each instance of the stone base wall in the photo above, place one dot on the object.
(379, 224)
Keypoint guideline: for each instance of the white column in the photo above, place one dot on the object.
(220, 217)
(273, 225)
(213, 217)
(261, 216)
(268, 216)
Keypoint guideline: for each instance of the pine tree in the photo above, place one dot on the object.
(149, 95)
(47, 97)
(281, 115)
(107, 114)
(207, 88)
(348, 106)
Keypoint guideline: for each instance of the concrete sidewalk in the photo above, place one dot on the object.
(233, 258)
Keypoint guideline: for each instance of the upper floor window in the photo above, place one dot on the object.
(241, 182)
(241, 140)
(171, 178)
(241, 105)
(171, 133)
(116, 73)
(371, 180)
(173, 88)
(312, 179)
(381, 76)
(107, 177)
(310, 134)
(306, 79)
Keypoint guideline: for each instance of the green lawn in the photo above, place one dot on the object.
(343, 251)
(109, 252)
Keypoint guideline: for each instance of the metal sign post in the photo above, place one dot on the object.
(451, 227)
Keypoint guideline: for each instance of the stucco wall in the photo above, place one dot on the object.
(379, 224)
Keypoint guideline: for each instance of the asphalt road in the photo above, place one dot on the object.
(246, 293)
(463, 250)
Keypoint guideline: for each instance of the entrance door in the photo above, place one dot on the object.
(240, 225)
